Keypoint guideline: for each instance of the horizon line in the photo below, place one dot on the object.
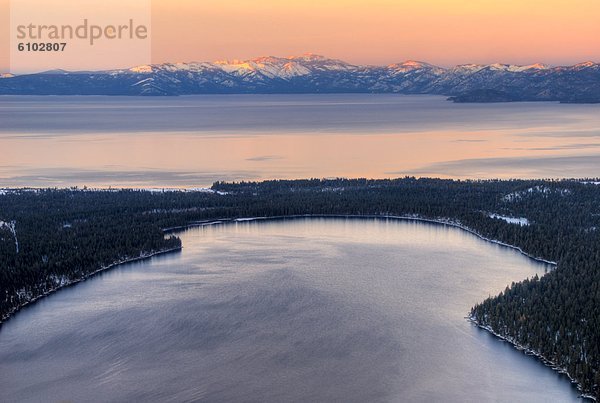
(235, 61)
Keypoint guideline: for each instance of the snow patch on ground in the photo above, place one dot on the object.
(522, 221)
(185, 190)
(144, 81)
(12, 227)
(545, 190)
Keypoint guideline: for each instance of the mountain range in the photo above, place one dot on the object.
(311, 73)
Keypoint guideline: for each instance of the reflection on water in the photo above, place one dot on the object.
(193, 141)
(282, 311)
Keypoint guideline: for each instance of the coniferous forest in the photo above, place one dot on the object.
(54, 237)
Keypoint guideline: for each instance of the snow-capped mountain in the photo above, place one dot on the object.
(311, 73)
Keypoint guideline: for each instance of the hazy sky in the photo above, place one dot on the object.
(444, 32)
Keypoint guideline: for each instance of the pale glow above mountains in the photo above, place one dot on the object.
(442, 32)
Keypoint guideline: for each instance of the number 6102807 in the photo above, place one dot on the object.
(42, 47)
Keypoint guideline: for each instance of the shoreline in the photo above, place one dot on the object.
(102, 269)
(527, 351)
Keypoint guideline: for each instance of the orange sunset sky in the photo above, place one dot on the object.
(443, 32)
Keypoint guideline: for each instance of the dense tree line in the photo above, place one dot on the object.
(65, 235)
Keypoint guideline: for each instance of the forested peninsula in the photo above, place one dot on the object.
(50, 238)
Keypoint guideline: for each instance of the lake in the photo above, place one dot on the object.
(186, 142)
(310, 309)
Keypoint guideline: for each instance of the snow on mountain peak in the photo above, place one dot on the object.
(499, 66)
(294, 69)
(411, 65)
(141, 69)
(537, 66)
(267, 60)
(474, 68)
(519, 69)
(268, 66)
(234, 65)
(416, 64)
(470, 68)
(313, 61)
(232, 62)
(516, 68)
(585, 65)
(308, 57)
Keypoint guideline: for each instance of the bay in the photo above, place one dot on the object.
(311, 309)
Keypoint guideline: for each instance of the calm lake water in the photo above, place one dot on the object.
(196, 140)
(349, 310)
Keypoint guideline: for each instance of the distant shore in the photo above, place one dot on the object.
(443, 221)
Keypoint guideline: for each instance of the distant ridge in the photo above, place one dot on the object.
(310, 73)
